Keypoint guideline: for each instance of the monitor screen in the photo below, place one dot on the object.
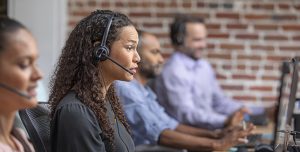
(286, 104)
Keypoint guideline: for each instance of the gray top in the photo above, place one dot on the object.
(75, 128)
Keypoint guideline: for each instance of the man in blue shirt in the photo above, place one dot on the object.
(149, 122)
(188, 87)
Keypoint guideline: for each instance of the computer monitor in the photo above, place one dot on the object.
(286, 105)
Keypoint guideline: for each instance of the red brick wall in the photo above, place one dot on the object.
(247, 39)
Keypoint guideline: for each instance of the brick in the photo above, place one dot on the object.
(284, 17)
(80, 13)
(249, 57)
(241, 67)
(237, 26)
(200, 4)
(244, 76)
(271, 78)
(226, 67)
(211, 45)
(91, 3)
(228, 5)
(289, 48)
(132, 4)
(247, 36)
(220, 76)
(152, 25)
(277, 58)
(213, 26)
(213, 5)
(140, 14)
(263, 6)
(232, 87)
(276, 37)
(145, 4)
(173, 4)
(244, 98)
(291, 27)
(228, 46)
(187, 4)
(162, 35)
(105, 4)
(266, 27)
(218, 35)
(162, 14)
(254, 68)
(297, 6)
(269, 99)
(268, 67)
(284, 6)
(160, 4)
(120, 4)
(262, 47)
(200, 14)
(296, 38)
(257, 16)
(227, 15)
(261, 88)
(219, 56)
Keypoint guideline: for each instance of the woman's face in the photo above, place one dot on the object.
(18, 70)
(123, 50)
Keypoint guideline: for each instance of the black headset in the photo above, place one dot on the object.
(178, 32)
(102, 51)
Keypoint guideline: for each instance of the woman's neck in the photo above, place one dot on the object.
(6, 124)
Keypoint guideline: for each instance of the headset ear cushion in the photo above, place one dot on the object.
(101, 53)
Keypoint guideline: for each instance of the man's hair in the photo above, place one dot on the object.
(8, 27)
(178, 27)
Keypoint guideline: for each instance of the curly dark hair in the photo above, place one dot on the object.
(76, 69)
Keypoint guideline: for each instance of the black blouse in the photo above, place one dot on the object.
(75, 128)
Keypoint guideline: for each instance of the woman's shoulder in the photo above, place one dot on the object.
(73, 111)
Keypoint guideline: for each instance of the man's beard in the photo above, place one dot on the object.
(150, 71)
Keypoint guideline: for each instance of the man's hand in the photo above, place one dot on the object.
(235, 136)
(237, 117)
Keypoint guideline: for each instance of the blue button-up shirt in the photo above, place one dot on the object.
(189, 91)
(144, 115)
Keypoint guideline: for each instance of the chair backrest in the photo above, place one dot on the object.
(37, 124)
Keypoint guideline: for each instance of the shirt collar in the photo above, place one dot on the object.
(147, 91)
(188, 62)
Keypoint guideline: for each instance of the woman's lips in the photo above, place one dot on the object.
(133, 70)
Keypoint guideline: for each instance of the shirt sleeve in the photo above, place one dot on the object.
(142, 117)
(182, 104)
(76, 130)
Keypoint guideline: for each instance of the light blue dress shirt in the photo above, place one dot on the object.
(144, 115)
(189, 91)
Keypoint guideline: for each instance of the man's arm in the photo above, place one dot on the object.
(197, 131)
(176, 91)
(185, 141)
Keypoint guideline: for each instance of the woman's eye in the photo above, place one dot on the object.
(23, 65)
(129, 48)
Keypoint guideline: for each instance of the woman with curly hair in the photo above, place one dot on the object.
(19, 75)
(85, 112)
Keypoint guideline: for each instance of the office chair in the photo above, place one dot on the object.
(37, 124)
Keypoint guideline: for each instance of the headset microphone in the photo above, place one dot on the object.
(115, 62)
(13, 90)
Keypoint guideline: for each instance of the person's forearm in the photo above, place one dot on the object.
(196, 131)
(180, 140)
